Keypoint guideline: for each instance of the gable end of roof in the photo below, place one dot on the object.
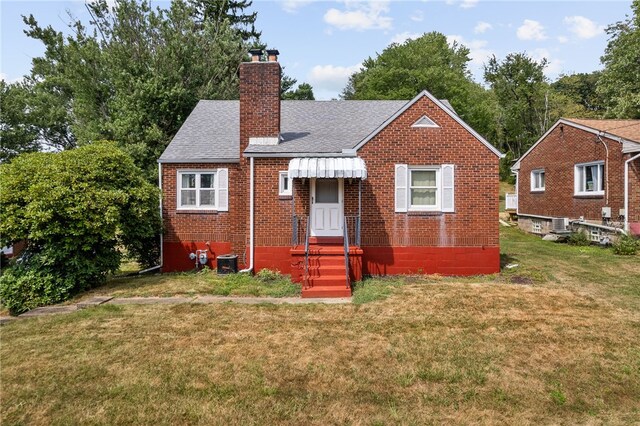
(440, 105)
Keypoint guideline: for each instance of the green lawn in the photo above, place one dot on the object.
(268, 283)
(552, 341)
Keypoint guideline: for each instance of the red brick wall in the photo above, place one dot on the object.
(475, 220)
(188, 230)
(259, 101)
(634, 189)
(557, 154)
(463, 242)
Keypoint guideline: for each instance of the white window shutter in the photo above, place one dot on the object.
(401, 187)
(223, 190)
(448, 187)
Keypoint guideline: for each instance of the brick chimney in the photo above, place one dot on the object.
(260, 100)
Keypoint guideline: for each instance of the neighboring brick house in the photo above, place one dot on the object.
(282, 183)
(576, 173)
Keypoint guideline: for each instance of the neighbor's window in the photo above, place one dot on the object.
(197, 190)
(424, 191)
(589, 178)
(284, 186)
(537, 180)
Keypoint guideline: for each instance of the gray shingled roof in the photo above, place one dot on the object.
(211, 132)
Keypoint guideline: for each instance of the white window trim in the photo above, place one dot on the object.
(281, 191)
(533, 180)
(576, 176)
(437, 206)
(179, 188)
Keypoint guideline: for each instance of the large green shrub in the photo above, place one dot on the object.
(626, 246)
(77, 210)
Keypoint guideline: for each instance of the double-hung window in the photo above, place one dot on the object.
(537, 180)
(424, 188)
(589, 178)
(197, 190)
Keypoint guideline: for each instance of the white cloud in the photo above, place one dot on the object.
(554, 65)
(330, 78)
(468, 4)
(482, 27)
(583, 27)
(360, 16)
(562, 39)
(464, 4)
(402, 37)
(531, 30)
(292, 6)
(418, 16)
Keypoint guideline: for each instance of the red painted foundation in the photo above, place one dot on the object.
(431, 260)
(176, 255)
(366, 261)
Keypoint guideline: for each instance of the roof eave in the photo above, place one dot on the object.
(198, 160)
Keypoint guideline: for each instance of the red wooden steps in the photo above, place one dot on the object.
(326, 271)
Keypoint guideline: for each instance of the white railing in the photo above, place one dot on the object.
(510, 201)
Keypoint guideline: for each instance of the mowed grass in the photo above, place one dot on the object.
(562, 349)
(269, 283)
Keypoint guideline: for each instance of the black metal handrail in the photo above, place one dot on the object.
(353, 223)
(346, 252)
(306, 257)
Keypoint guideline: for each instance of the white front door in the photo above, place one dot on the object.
(326, 207)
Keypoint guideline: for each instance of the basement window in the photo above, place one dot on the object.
(284, 184)
(536, 227)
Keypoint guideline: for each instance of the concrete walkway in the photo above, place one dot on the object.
(202, 300)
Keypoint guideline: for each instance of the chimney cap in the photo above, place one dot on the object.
(272, 52)
(255, 54)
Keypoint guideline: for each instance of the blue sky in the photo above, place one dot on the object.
(323, 42)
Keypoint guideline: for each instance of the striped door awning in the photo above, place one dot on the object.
(328, 167)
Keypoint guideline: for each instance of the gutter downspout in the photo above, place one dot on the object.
(606, 172)
(250, 268)
(626, 191)
(161, 238)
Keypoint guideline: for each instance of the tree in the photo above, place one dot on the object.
(232, 11)
(15, 132)
(75, 209)
(579, 91)
(522, 93)
(304, 92)
(429, 62)
(619, 84)
(134, 73)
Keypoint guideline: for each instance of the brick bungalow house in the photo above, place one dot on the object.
(329, 190)
(585, 173)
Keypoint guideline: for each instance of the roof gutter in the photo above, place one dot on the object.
(300, 154)
(199, 160)
(626, 191)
